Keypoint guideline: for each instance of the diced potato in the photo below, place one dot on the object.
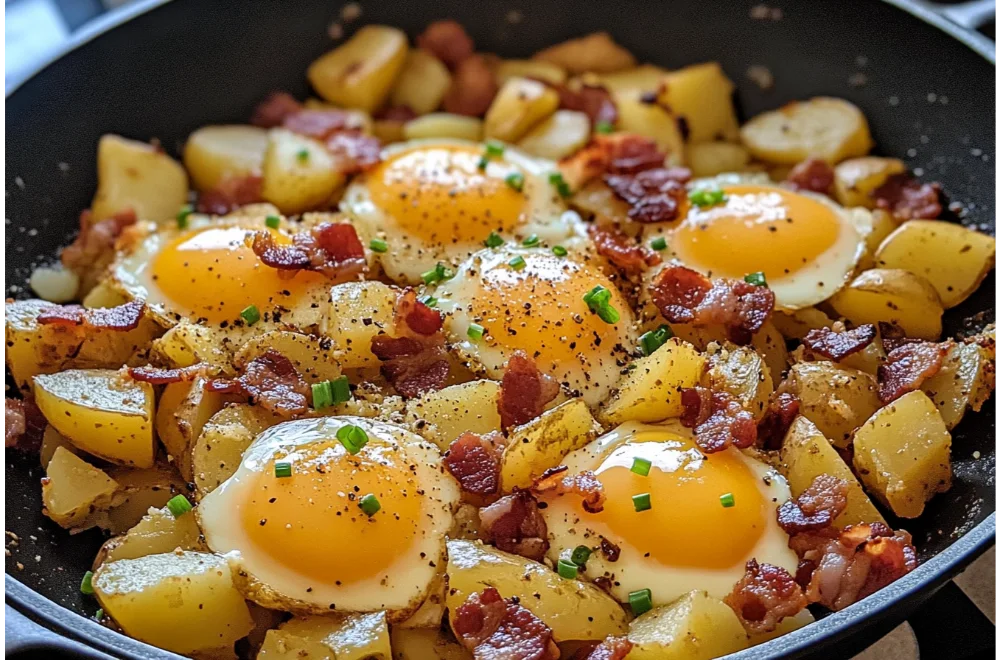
(806, 453)
(519, 105)
(358, 312)
(444, 125)
(103, 295)
(138, 176)
(630, 83)
(51, 441)
(139, 490)
(183, 602)
(101, 412)
(903, 454)
(836, 399)
(797, 324)
(187, 344)
(542, 443)
(183, 409)
(595, 52)
(713, 158)
(895, 296)
(422, 83)
(962, 382)
(425, 644)
(360, 72)
(280, 645)
(694, 627)
(307, 353)
(213, 154)
(874, 227)
(652, 121)
(855, 179)
(573, 609)
(953, 258)
(868, 359)
(431, 611)
(158, 532)
(73, 490)
(218, 450)
(827, 128)
(651, 391)
(443, 415)
(703, 96)
(741, 371)
(351, 637)
(785, 626)
(767, 341)
(560, 135)
(264, 620)
(299, 173)
(537, 69)
(55, 283)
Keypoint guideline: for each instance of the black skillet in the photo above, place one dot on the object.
(163, 70)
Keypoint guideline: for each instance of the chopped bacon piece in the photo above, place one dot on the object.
(497, 629)
(121, 318)
(94, 244)
(417, 316)
(514, 524)
(558, 481)
(718, 420)
(906, 368)
(24, 425)
(621, 250)
(686, 296)
(909, 199)
(158, 376)
(814, 175)
(400, 113)
(272, 382)
(773, 427)
(474, 461)
(611, 551)
(524, 391)
(473, 87)
(230, 194)
(764, 596)
(413, 361)
(816, 507)
(319, 124)
(893, 336)
(593, 100)
(653, 195)
(446, 40)
(631, 154)
(838, 345)
(355, 151)
(612, 648)
(273, 110)
(332, 248)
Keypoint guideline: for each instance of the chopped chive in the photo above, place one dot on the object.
(609, 314)
(251, 314)
(282, 469)
(567, 569)
(707, 197)
(642, 502)
(494, 240)
(475, 331)
(322, 395)
(352, 437)
(604, 127)
(557, 180)
(559, 251)
(659, 243)
(99, 614)
(369, 504)
(482, 163)
(494, 149)
(437, 274)
(272, 221)
(581, 554)
(641, 466)
(302, 156)
(640, 601)
(652, 340)
(516, 181)
(517, 263)
(87, 584)
(340, 390)
(531, 241)
(178, 505)
(757, 279)
(428, 300)
(727, 500)
(378, 245)
(598, 300)
(182, 217)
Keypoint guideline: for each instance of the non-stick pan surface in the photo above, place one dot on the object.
(927, 89)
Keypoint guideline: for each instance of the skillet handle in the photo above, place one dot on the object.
(950, 625)
(23, 639)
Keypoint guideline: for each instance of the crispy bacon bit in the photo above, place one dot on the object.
(909, 199)
(611, 551)
(893, 336)
(764, 596)
(318, 124)
(906, 368)
(413, 361)
(558, 481)
(497, 629)
(24, 425)
(718, 420)
(514, 524)
(158, 376)
(612, 648)
(653, 195)
(593, 100)
(121, 318)
(816, 507)
(686, 296)
(355, 151)
(448, 41)
(96, 240)
(332, 248)
(230, 194)
(621, 250)
(840, 568)
(272, 382)
(524, 391)
(631, 154)
(273, 110)
(474, 461)
(814, 175)
(773, 427)
(838, 345)
(400, 113)
(473, 87)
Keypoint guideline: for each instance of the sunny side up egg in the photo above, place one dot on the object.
(687, 539)
(438, 201)
(303, 540)
(531, 300)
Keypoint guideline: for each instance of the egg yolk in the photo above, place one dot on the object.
(756, 229)
(686, 524)
(212, 274)
(441, 196)
(311, 522)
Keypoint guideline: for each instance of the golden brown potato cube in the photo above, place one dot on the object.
(355, 636)
(299, 173)
(443, 415)
(154, 598)
(826, 128)
(713, 158)
(138, 176)
(542, 443)
(280, 645)
(741, 371)
(903, 454)
(874, 227)
(797, 324)
(806, 453)
(894, 296)
(213, 154)
(562, 134)
(425, 644)
(652, 121)
(358, 312)
(836, 399)
(159, 531)
(694, 627)
(183, 410)
(855, 179)
(519, 105)
(74, 490)
(187, 344)
(359, 73)
(537, 69)
(632, 83)
(595, 52)
(962, 383)
(702, 95)
(422, 83)
(218, 450)
(954, 259)
(444, 125)
(313, 358)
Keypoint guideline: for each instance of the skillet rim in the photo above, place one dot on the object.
(886, 604)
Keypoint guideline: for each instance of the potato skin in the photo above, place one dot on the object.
(703, 96)
(542, 443)
(823, 127)
(520, 104)
(836, 399)
(215, 153)
(73, 491)
(359, 73)
(695, 627)
(136, 175)
(894, 296)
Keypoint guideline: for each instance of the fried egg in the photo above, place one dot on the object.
(303, 543)
(538, 307)
(687, 539)
(431, 201)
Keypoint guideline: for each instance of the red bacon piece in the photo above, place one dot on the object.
(764, 596)
(96, 240)
(718, 420)
(121, 318)
(24, 425)
(355, 151)
(816, 507)
(893, 336)
(524, 391)
(270, 381)
(514, 524)
(159, 376)
(838, 345)
(612, 648)
(273, 110)
(497, 629)
(621, 250)
(318, 124)
(773, 427)
(332, 248)
(400, 113)
(474, 461)
(907, 367)
(814, 175)
(414, 361)
(230, 194)
(909, 199)
(653, 195)
(448, 41)
(558, 481)
(473, 87)
(593, 100)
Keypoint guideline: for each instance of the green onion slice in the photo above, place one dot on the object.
(272, 221)
(727, 500)
(86, 584)
(567, 569)
(659, 244)
(640, 601)
(642, 502)
(178, 505)
(378, 245)
(475, 331)
(581, 554)
(559, 251)
(369, 504)
(517, 263)
(494, 240)
(641, 466)
(251, 314)
(516, 181)
(352, 437)
(757, 279)
(282, 469)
